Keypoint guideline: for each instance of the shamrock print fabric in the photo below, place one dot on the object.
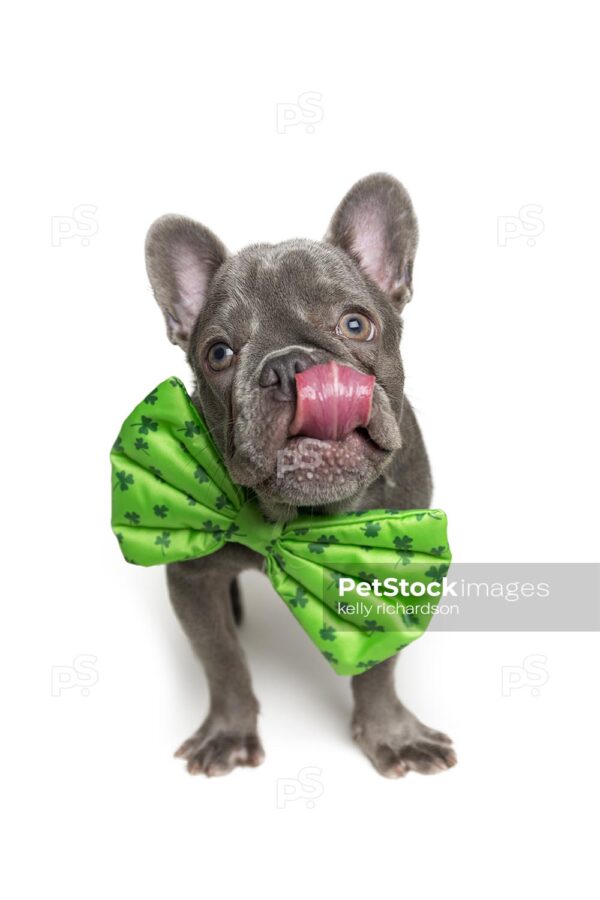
(173, 500)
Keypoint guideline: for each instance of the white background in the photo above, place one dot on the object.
(141, 109)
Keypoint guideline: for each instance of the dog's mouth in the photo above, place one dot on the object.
(328, 438)
(308, 460)
(331, 445)
(332, 401)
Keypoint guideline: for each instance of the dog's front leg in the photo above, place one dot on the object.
(390, 735)
(200, 594)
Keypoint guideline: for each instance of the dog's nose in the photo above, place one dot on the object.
(279, 373)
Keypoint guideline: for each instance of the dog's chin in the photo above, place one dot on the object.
(313, 472)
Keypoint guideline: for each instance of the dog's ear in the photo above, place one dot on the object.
(181, 259)
(376, 225)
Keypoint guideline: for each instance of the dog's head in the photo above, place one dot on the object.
(296, 346)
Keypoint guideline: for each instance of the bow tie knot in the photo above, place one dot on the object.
(253, 530)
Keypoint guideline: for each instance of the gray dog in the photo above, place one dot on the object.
(249, 323)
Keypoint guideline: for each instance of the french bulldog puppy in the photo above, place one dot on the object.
(250, 323)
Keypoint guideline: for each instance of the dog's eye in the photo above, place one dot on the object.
(220, 356)
(356, 326)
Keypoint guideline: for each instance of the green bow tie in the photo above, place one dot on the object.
(173, 500)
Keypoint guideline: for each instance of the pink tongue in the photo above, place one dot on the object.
(332, 401)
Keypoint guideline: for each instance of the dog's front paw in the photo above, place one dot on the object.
(399, 743)
(217, 750)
